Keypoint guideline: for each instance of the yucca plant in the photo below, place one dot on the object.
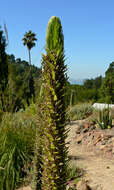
(54, 153)
(105, 119)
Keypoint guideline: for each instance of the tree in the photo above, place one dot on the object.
(54, 81)
(17, 93)
(29, 41)
(107, 88)
(3, 69)
(93, 83)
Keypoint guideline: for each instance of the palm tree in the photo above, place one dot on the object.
(29, 41)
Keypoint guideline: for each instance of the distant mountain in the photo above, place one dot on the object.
(76, 81)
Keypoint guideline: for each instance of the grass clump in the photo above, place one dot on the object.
(80, 111)
(74, 172)
(74, 175)
(17, 136)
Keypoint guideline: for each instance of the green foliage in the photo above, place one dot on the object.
(80, 94)
(38, 148)
(18, 93)
(29, 39)
(107, 88)
(17, 135)
(3, 69)
(80, 111)
(74, 172)
(93, 83)
(105, 119)
(32, 109)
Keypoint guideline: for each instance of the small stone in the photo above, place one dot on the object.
(85, 130)
(112, 139)
(87, 125)
(92, 127)
(78, 132)
(102, 147)
(79, 139)
(97, 140)
(103, 143)
(82, 185)
(96, 187)
(78, 129)
(106, 137)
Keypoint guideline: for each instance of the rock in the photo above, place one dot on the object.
(97, 134)
(102, 147)
(78, 129)
(109, 148)
(103, 143)
(97, 140)
(85, 130)
(97, 137)
(105, 136)
(79, 139)
(96, 187)
(87, 125)
(92, 127)
(112, 139)
(82, 185)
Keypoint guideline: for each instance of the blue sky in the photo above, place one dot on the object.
(88, 27)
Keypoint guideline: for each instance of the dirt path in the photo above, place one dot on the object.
(99, 170)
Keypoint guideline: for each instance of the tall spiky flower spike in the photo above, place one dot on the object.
(54, 36)
(54, 81)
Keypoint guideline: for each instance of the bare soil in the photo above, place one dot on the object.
(99, 170)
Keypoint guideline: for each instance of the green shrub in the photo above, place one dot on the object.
(16, 149)
(32, 109)
(1, 115)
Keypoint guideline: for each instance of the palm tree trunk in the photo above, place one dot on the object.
(29, 57)
(31, 81)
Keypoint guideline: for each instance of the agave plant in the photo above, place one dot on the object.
(105, 119)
